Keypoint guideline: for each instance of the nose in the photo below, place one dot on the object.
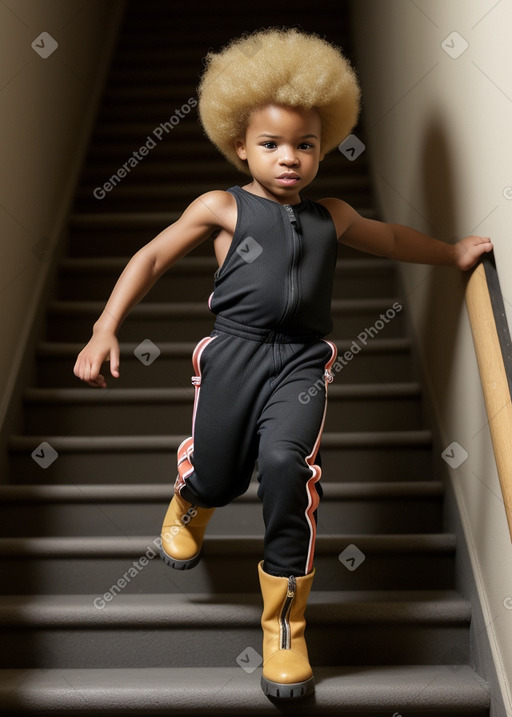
(288, 156)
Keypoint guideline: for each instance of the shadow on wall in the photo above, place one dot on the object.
(444, 291)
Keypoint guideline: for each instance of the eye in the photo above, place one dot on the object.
(306, 145)
(269, 144)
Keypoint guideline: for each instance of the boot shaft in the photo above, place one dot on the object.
(284, 605)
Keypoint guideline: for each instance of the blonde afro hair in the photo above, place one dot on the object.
(284, 67)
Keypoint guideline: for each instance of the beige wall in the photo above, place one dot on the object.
(46, 108)
(438, 130)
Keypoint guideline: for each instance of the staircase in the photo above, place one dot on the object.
(92, 621)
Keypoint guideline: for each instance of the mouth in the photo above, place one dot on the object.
(288, 179)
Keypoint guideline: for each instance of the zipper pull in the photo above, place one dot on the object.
(292, 586)
(294, 220)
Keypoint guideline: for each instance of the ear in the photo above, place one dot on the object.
(240, 148)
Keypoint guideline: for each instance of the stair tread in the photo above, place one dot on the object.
(152, 492)
(227, 690)
(200, 610)
(121, 220)
(131, 443)
(103, 546)
(390, 391)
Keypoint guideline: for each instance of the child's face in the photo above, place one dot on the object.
(282, 149)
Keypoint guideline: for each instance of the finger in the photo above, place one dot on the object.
(98, 382)
(92, 372)
(87, 373)
(114, 361)
(78, 368)
(484, 240)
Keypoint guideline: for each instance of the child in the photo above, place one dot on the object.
(274, 103)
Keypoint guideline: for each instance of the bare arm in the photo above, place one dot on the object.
(400, 242)
(204, 215)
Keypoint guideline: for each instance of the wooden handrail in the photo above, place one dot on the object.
(493, 348)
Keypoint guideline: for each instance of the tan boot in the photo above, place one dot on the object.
(184, 524)
(286, 669)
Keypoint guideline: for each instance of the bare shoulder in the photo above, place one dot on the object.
(215, 209)
(343, 215)
(217, 199)
(210, 215)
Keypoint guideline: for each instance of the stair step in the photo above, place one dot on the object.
(173, 153)
(368, 691)
(73, 510)
(147, 411)
(180, 78)
(343, 629)
(92, 565)
(370, 455)
(150, 94)
(381, 360)
(156, 168)
(120, 220)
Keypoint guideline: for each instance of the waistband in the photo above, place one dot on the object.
(255, 333)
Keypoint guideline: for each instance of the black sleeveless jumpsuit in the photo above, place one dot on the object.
(272, 299)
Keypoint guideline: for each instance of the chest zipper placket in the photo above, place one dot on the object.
(284, 619)
(293, 278)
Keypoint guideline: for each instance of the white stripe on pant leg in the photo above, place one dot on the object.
(316, 472)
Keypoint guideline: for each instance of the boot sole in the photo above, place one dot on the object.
(282, 691)
(179, 564)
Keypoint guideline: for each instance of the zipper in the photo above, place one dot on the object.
(284, 619)
(293, 295)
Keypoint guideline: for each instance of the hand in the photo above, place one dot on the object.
(103, 346)
(469, 250)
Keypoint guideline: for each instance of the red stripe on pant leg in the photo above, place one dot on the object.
(185, 467)
(313, 498)
(196, 380)
(185, 450)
